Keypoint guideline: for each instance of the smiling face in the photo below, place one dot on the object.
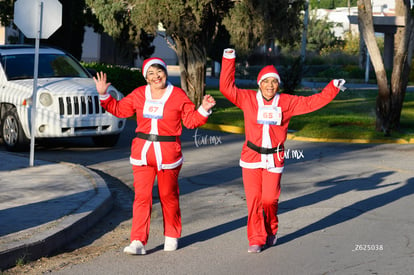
(156, 76)
(269, 87)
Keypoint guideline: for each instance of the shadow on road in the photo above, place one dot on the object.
(349, 212)
(337, 186)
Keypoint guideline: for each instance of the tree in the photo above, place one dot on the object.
(255, 23)
(321, 34)
(195, 26)
(70, 35)
(6, 12)
(331, 4)
(391, 92)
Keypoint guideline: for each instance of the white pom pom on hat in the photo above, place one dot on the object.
(151, 61)
(268, 71)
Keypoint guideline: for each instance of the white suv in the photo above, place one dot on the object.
(67, 102)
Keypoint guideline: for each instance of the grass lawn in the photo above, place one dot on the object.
(351, 115)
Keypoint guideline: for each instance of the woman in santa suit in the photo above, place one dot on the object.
(266, 117)
(156, 151)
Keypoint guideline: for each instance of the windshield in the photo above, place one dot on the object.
(21, 66)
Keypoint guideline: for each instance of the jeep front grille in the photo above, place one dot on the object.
(80, 105)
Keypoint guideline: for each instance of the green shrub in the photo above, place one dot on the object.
(288, 59)
(411, 76)
(333, 72)
(123, 78)
(314, 70)
(320, 33)
(336, 56)
(351, 46)
(354, 71)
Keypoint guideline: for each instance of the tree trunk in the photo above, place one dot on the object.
(366, 25)
(402, 63)
(390, 99)
(192, 60)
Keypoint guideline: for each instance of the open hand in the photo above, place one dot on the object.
(100, 82)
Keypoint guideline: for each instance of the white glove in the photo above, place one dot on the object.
(229, 53)
(339, 83)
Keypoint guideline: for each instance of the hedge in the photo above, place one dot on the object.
(123, 78)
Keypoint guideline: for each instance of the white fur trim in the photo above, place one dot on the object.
(172, 165)
(339, 83)
(269, 75)
(139, 162)
(104, 96)
(256, 165)
(229, 53)
(203, 112)
(152, 62)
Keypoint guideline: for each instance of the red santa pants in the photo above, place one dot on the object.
(262, 190)
(168, 192)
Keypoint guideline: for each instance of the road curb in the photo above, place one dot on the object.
(224, 128)
(57, 233)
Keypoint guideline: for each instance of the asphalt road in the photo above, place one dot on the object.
(344, 209)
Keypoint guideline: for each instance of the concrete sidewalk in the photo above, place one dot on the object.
(45, 206)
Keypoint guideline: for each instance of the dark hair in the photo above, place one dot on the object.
(159, 66)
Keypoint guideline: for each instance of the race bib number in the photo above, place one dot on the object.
(153, 109)
(269, 115)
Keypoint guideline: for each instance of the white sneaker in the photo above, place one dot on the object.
(170, 244)
(135, 248)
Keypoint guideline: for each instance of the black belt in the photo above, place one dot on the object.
(152, 137)
(262, 150)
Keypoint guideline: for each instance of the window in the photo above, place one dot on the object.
(21, 66)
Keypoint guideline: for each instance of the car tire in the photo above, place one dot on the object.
(12, 132)
(106, 140)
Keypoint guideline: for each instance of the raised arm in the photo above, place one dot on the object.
(227, 77)
(306, 104)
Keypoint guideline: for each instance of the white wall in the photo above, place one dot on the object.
(91, 46)
(340, 15)
(2, 35)
(162, 50)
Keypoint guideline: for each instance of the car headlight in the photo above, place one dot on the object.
(45, 99)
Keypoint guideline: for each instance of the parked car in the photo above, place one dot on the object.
(67, 101)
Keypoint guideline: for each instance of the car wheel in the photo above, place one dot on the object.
(106, 140)
(12, 132)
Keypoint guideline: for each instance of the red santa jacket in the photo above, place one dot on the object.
(268, 136)
(177, 107)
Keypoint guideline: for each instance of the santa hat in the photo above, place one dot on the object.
(151, 61)
(268, 71)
